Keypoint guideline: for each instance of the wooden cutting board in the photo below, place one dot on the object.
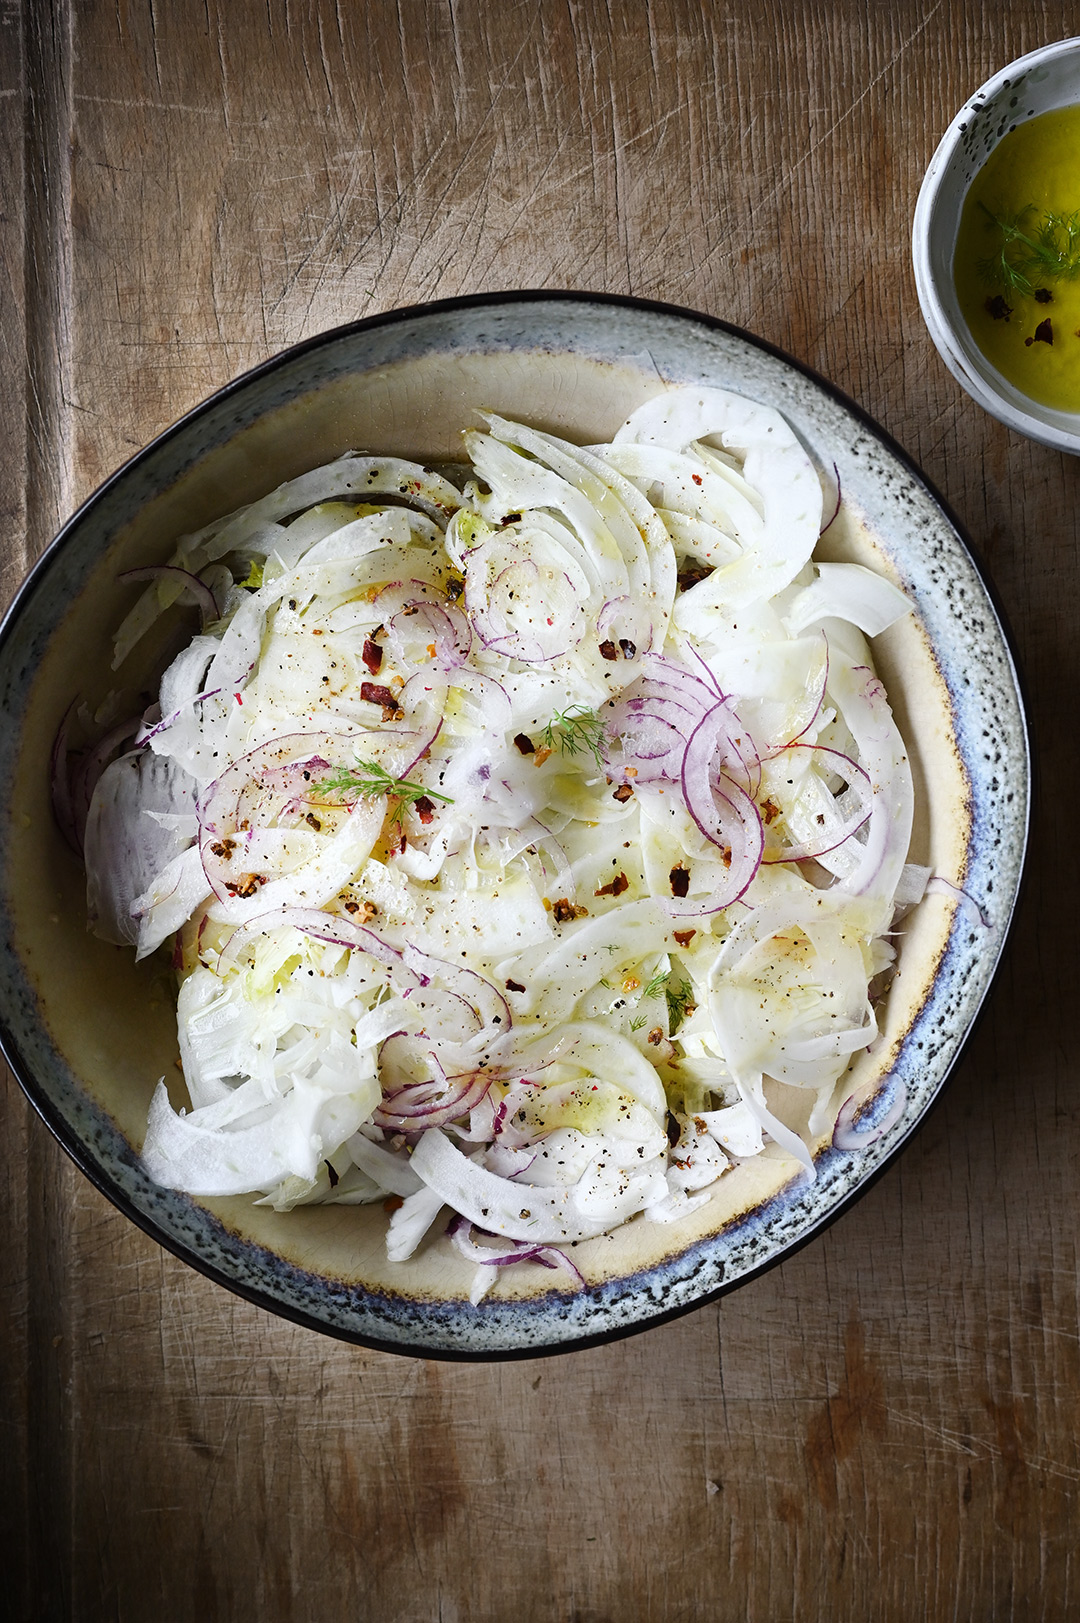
(886, 1426)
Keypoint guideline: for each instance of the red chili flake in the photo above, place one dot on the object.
(1043, 295)
(372, 656)
(629, 649)
(223, 848)
(997, 308)
(393, 1203)
(514, 986)
(374, 694)
(314, 821)
(680, 880)
(238, 699)
(684, 937)
(403, 844)
(608, 650)
(370, 911)
(246, 885)
(1044, 333)
(616, 888)
(623, 792)
(565, 910)
(525, 744)
(425, 809)
(656, 1036)
(696, 477)
(382, 696)
(770, 811)
(691, 573)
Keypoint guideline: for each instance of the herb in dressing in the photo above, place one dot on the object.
(1017, 259)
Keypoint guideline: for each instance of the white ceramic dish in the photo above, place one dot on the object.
(89, 1032)
(1038, 83)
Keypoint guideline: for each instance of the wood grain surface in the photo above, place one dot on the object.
(884, 1427)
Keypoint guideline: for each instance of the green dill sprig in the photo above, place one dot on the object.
(574, 731)
(680, 998)
(658, 985)
(370, 779)
(1033, 249)
(680, 1005)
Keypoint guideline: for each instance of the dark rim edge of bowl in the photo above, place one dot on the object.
(261, 1298)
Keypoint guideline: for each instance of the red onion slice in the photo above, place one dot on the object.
(204, 597)
(434, 633)
(72, 781)
(485, 1001)
(662, 671)
(93, 765)
(626, 625)
(850, 771)
(846, 1136)
(435, 1102)
(938, 885)
(548, 1256)
(328, 927)
(646, 728)
(721, 808)
(646, 745)
(533, 613)
(163, 724)
(836, 509)
(705, 673)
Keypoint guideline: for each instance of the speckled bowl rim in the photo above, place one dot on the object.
(987, 387)
(636, 1286)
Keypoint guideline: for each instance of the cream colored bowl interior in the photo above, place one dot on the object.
(114, 1021)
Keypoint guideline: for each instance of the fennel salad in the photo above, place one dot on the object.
(509, 831)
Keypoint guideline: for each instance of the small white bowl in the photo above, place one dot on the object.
(1038, 83)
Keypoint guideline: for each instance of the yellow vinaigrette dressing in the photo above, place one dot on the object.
(1017, 259)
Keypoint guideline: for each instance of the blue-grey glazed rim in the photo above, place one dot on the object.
(982, 679)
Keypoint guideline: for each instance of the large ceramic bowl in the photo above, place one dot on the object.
(89, 1033)
(1041, 82)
